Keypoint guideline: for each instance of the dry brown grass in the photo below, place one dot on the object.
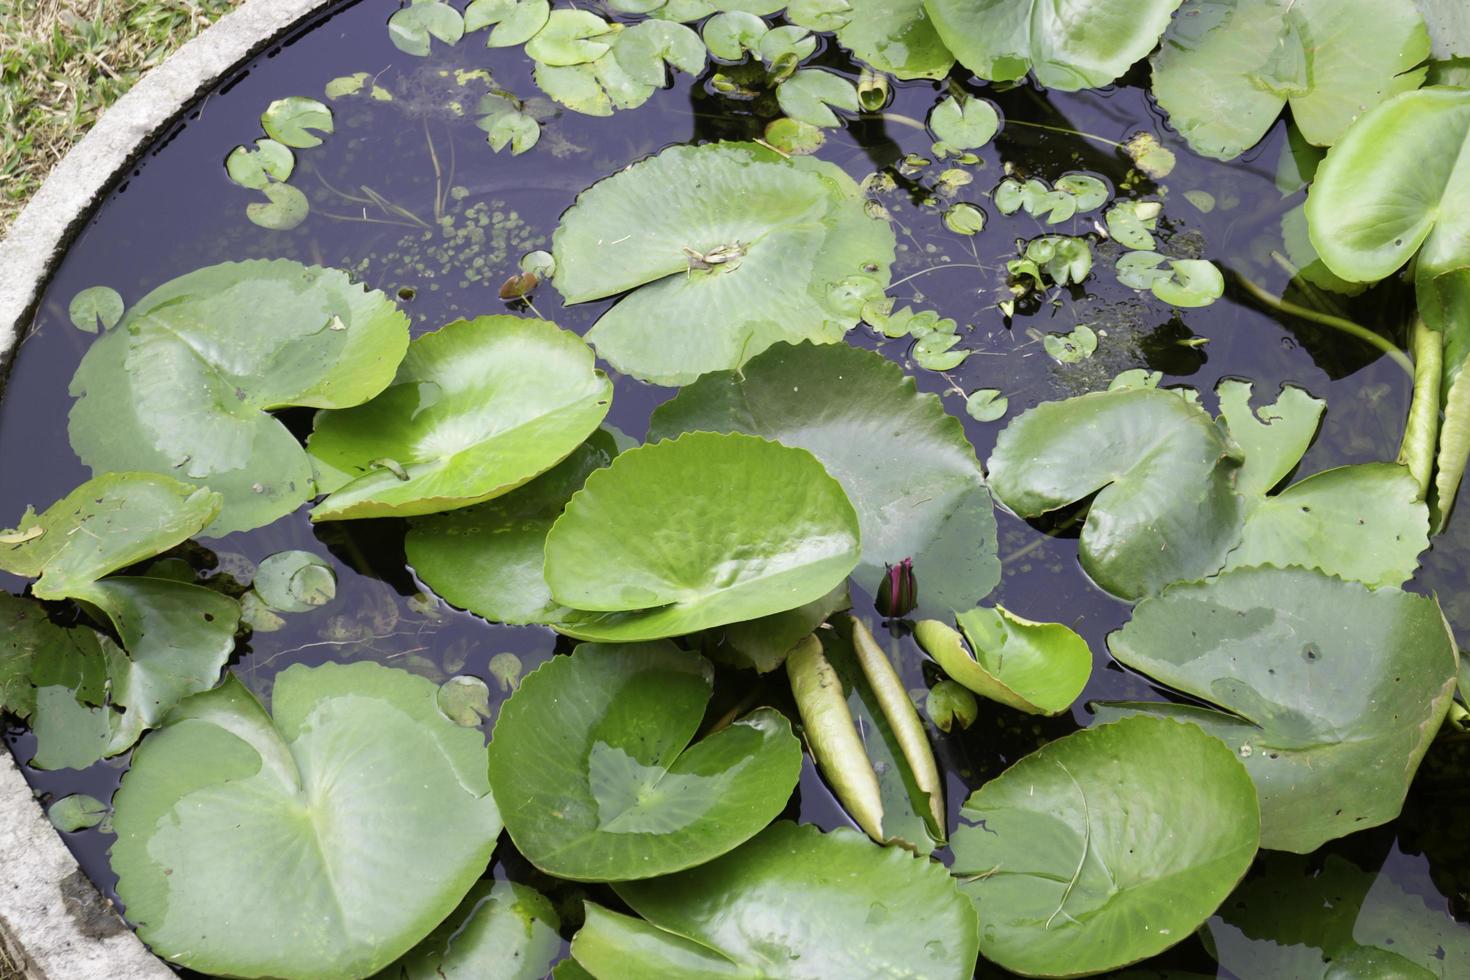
(63, 61)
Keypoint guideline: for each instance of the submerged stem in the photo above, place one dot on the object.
(1064, 129)
(1327, 320)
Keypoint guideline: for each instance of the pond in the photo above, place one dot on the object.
(1021, 273)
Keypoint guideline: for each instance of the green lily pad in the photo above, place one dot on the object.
(1328, 691)
(108, 523)
(1070, 852)
(697, 532)
(516, 21)
(1038, 668)
(1165, 509)
(1131, 223)
(285, 207)
(76, 812)
(477, 408)
(644, 48)
(791, 902)
(501, 931)
(35, 652)
(762, 644)
(904, 462)
(894, 36)
(1190, 283)
(808, 93)
(782, 234)
(596, 88)
(987, 405)
(295, 581)
(411, 27)
(570, 37)
(1274, 437)
(185, 384)
(488, 558)
(794, 137)
(593, 762)
(1089, 192)
(1082, 44)
(964, 125)
(95, 306)
(730, 35)
(358, 762)
(1226, 68)
(1294, 918)
(294, 121)
(257, 168)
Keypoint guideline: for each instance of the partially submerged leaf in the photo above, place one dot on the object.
(1038, 668)
(592, 758)
(904, 462)
(502, 930)
(476, 409)
(35, 652)
(295, 581)
(895, 36)
(106, 524)
(1329, 692)
(357, 760)
(698, 532)
(1062, 880)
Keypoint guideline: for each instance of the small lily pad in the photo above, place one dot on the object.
(284, 209)
(1131, 223)
(731, 34)
(808, 94)
(516, 21)
(465, 700)
(616, 790)
(502, 930)
(76, 812)
(964, 125)
(986, 405)
(1038, 668)
(964, 219)
(257, 168)
(570, 37)
(95, 306)
(295, 581)
(411, 27)
(646, 47)
(294, 121)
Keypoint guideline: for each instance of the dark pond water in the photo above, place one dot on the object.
(177, 211)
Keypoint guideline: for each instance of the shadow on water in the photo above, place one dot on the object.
(459, 233)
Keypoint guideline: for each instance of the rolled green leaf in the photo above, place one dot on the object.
(832, 736)
(901, 714)
(1454, 451)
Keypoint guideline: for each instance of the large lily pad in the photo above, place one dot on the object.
(1038, 668)
(1106, 846)
(186, 383)
(488, 558)
(477, 408)
(599, 782)
(792, 903)
(109, 522)
(1163, 473)
(1225, 68)
(904, 462)
(728, 247)
(325, 843)
(1069, 44)
(1328, 691)
(501, 931)
(696, 532)
(895, 36)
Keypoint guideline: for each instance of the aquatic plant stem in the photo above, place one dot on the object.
(1327, 320)
(1064, 129)
(933, 268)
(1421, 431)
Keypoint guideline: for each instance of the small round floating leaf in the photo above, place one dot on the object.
(518, 130)
(987, 405)
(1130, 223)
(95, 306)
(185, 384)
(593, 758)
(794, 136)
(538, 263)
(643, 49)
(1039, 668)
(1090, 192)
(935, 352)
(516, 21)
(1191, 282)
(697, 532)
(964, 125)
(106, 524)
(337, 88)
(1165, 509)
(1140, 270)
(76, 812)
(358, 760)
(411, 27)
(269, 161)
(285, 208)
(806, 95)
(465, 700)
(1071, 348)
(295, 581)
(893, 36)
(477, 408)
(295, 120)
(796, 897)
(783, 48)
(506, 669)
(570, 37)
(894, 450)
(964, 219)
(1328, 691)
(1066, 852)
(502, 930)
(730, 35)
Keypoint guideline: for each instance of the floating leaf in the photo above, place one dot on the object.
(948, 703)
(594, 89)
(616, 790)
(95, 306)
(893, 36)
(933, 352)
(295, 581)
(570, 37)
(794, 137)
(1275, 437)
(964, 125)
(1130, 223)
(1071, 348)
(1191, 283)
(785, 47)
(903, 461)
(762, 644)
(794, 895)
(505, 124)
(1089, 192)
(411, 27)
(1226, 68)
(76, 812)
(1329, 692)
(698, 532)
(1082, 44)
(1150, 156)
(807, 94)
(795, 227)
(184, 385)
(465, 700)
(516, 21)
(107, 523)
(337, 88)
(964, 219)
(1038, 668)
(477, 408)
(730, 35)
(986, 405)
(269, 161)
(643, 49)
(819, 15)
(501, 931)
(285, 208)
(294, 121)
(1163, 473)
(35, 652)
(488, 558)
(1062, 883)
(358, 760)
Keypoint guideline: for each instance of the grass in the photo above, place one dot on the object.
(64, 61)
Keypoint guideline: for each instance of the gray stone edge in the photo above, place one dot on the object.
(54, 924)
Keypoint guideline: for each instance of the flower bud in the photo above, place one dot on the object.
(898, 593)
